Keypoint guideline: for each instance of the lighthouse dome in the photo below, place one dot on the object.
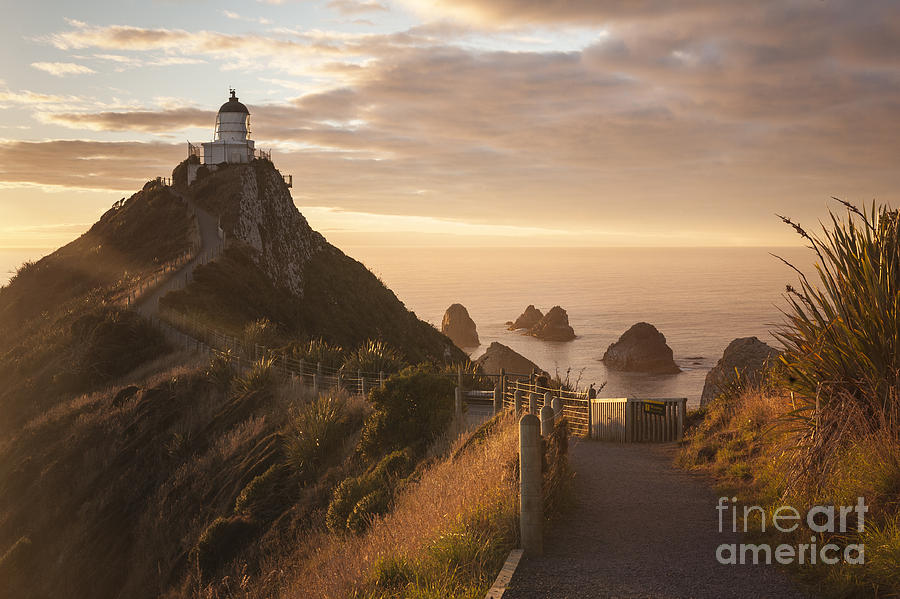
(232, 105)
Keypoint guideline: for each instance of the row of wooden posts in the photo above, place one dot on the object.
(534, 427)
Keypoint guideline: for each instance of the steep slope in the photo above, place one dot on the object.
(62, 328)
(278, 268)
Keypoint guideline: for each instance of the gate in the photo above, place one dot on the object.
(638, 420)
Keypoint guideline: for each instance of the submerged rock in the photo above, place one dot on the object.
(746, 357)
(554, 326)
(641, 348)
(459, 326)
(530, 317)
(500, 356)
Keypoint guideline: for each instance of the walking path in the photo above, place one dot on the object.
(640, 528)
(148, 306)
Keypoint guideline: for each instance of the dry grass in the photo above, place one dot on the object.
(754, 446)
(483, 475)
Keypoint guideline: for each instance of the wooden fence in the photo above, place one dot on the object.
(638, 420)
(575, 403)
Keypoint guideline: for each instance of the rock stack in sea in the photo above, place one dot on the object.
(642, 348)
(500, 356)
(459, 327)
(554, 326)
(745, 357)
(530, 317)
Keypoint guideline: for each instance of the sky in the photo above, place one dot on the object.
(464, 122)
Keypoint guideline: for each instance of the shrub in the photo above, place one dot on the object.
(357, 500)
(260, 377)
(220, 372)
(411, 409)
(320, 351)
(397, 464)
(267, 495)
(316, 431)
(372, 504)
(344, 499)
(259, 332)
(221, 541)
(373, 357)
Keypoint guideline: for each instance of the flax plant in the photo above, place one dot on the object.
(842, 335)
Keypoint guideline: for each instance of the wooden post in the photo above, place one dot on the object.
(682, 412)
(530, 497)
(498, 398)
(502, 387)
(381, 378)
(362, 385)
(302, 366)
(557, 406)
(546, 421)
(315, 384)
(590, 415)
(458, 403)
(532, 403)
(517, 401)
(548, 397)
(459, 376)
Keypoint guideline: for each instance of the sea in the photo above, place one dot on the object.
(699, 298)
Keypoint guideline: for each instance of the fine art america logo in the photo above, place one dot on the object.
(819, 520)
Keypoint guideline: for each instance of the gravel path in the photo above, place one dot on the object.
(208, 225)
(640, 528)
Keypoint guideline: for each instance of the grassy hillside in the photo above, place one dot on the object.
(60, 331)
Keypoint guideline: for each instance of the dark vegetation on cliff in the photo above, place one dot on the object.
(822, 426)
(141, 471)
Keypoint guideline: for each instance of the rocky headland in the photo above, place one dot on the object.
(745, 357)
(499, 356)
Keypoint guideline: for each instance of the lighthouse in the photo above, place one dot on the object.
(231, 143)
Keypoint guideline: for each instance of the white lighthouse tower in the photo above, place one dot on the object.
(231, 143)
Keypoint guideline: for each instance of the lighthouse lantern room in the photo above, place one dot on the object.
(231, 143)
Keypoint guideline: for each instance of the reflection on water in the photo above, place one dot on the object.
(700, 298)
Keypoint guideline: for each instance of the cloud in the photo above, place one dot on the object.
(678, 116)
(356, 7)
(120, 166)
(236, 17)
(27, 97)
(62, 69)
(153, 121)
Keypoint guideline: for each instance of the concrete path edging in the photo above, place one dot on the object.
(506, 573)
